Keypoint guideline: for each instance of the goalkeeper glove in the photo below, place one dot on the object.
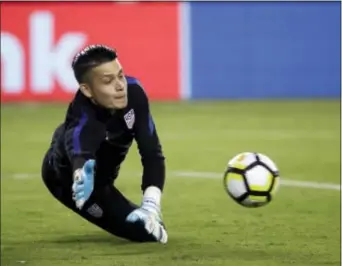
(150, 215)
(83, 184)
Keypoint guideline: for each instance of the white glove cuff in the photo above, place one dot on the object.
(151, 198)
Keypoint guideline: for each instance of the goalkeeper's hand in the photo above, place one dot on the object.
(149, 214)
(83, 184)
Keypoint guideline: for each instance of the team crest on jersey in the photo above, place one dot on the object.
(130, 118)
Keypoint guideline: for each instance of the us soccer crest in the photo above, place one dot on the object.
(130, 119)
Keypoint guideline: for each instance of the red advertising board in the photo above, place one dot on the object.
(38, 41)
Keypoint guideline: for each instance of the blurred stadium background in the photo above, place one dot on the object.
(223, 78)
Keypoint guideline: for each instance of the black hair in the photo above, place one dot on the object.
(90, 57)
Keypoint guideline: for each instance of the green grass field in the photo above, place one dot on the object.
(300, 227)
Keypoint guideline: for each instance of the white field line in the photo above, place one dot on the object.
(212, 175)
(283, 182)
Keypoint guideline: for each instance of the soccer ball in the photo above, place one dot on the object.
(251, 179)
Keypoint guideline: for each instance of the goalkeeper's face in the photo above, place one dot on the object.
(108, 85)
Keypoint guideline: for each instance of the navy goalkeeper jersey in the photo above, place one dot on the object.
(93, 132)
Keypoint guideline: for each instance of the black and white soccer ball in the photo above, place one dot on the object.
(251, 179)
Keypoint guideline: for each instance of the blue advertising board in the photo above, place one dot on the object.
(265, 50)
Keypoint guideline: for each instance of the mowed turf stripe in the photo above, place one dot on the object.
(210, 175)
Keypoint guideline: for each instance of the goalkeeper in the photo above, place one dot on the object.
(107, 113)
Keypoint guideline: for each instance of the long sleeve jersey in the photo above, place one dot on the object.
(92, 132)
